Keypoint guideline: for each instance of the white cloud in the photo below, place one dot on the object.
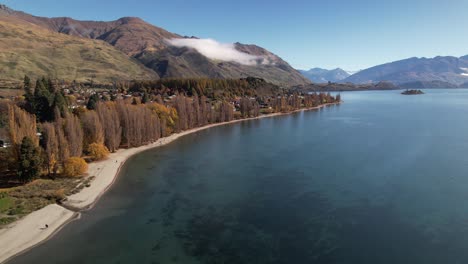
(217, 51)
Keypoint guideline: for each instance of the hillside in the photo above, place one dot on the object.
(319, 75)
(150, 45)
(443, 69)
(35, 51)
(339, 87)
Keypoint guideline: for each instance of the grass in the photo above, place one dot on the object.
(19, 201)
(31, 50)
(5, 203)
(7, 93)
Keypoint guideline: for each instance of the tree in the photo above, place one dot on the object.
(28, 89)
(20, 125)
(92, 127)
(30, 160)
(92, 101)
(145, 99)
(110, 121)
(50, 145)
(73, 134)
(98, 151)
(43, 101)
(63, 145)
(59, 105)
(75, 167)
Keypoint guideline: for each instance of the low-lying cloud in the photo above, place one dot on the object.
(215, 50)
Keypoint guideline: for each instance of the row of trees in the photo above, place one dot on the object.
(51, 146)
(295, 101)
(56, 139)
(220, 89)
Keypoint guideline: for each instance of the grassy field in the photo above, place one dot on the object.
(34, 51)
(7, 93)
(19, 201)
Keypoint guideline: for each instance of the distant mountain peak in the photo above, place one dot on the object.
(440, 69)
(319, 75)
(128, 20)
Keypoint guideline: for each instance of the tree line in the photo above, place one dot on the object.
(50, 137)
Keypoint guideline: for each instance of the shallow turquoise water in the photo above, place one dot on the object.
(381, 178)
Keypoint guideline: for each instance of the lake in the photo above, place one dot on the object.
(382, 178)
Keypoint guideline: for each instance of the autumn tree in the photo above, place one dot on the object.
(50, 145)
(97, 151)
(73, 134)
(180, 106)
(20, 125)
(110, 121)
(92, 128)
(167, 117)
(75, 167)
(63, 145)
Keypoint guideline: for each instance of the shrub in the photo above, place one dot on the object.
(75, 167)
(98, 151)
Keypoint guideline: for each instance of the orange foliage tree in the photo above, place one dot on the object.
(98, 151)
(75, 167)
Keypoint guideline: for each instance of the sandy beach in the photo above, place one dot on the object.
(29, 231)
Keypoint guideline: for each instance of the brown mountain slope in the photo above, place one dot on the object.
(148, 44)
(29, 49)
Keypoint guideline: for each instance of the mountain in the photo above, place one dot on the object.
(443, 69)
(150, 46)
(338, 87)
(318, 75)
(428, 84)
(29, 49)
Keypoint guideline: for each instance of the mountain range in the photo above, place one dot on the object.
(319, 75)
(125, 49)
(425, 72)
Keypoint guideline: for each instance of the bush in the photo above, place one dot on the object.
(75, 167)
(98, 151)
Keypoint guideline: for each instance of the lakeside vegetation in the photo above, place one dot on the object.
(50, 133)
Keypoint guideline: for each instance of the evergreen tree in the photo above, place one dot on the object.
(145, 99)
(28, 89)
(42, 102)
(59, 103)
(93, 100)
(30, 160)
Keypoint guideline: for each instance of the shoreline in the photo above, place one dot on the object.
(27, 232)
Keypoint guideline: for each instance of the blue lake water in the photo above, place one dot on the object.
(382, 178)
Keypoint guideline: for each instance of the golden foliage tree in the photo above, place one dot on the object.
(97, 151)
(74, 135)
(50, 145)
(110, 121)
(92, 127)
(75, 167)
(21, 124)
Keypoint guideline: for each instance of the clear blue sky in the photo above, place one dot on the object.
(351, 34)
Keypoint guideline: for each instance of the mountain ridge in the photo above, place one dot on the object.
(448, 69)
(148, 45)
(28, 49)
(320, 75)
